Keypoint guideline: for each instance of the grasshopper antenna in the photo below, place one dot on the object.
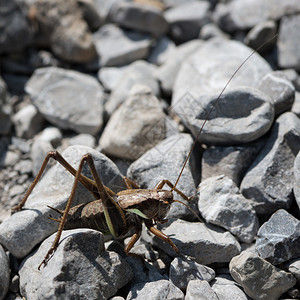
(215, 103)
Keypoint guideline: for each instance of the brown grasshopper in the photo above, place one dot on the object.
(117, 213)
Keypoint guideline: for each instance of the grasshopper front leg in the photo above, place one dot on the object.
(167, 182)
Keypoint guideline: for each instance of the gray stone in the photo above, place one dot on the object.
(62, 28)
(51, 135)
(232, 15)
(79, 269)
(157, 290)
(260, 279)
(203, 243)
(164, 162)
(220, 203)
(28, 122)
(5, 119)
(296, 106)
(139, 17)
(269, 182)
(211, 30)
(279, 89)
(226, 289)
(296, 187)
(294, 267)
(182, 271)
(139, 72)
(162, 49)
(279, 238)
(136, 126)
(19, 34)
(22, 231)
(200, 289)
(91, 15)
(232, 161)
(4, 273)
(83, 139)
(243, 113)
(261, 33)
(65, 98)
(292, 76)
(186, 20)
(117, 47)
(167, 72)
(288, 48)
(103, 8)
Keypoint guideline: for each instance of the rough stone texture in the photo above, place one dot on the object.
(51, 135)
(243, 113)
(269, 181)
(182, 271)
(232, 16)
(60, 25)
(261, 33)
(200, 289)
(65, 98)
(79, 269)
(288, 48)
(232, 161)
(167, 72)
(164, 161)
(22, 231)
(117, 47)
(296, 187)
(279, 238)
(136, 126)
(19, 34)
(260, 279)
(28, 122)
(211, 30)
(296, 106)
(186, 20)
(83, 139)
(294, 267)
(203, 243)
(225, 288)
(140, 17)
(279, 89)
(4, 273)
(139, 72)
(220, 203)
(157, 290)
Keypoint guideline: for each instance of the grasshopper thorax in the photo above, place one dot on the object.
(146, 203)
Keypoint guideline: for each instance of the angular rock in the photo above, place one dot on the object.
(164, 161)
(294, 267)
(226, 288)
(288, 48)
(68, 99)
(200, 289)
(83, 139)
(136, 126)
(279, 238)
(296, 106)
(51, 135)
(139, 17)
(61, 26)
(91, 15)
(28, 122)
(182, 271)
(186, 20)
(4, 273)
(22, 231)
(260, 279)
(261, 33)
(296, 187)
(161, 51)
(157, 290)
(117, 47)
(269, 181)
(19, 34)
(167, 72)
(232, 161)
(220, 203)
(279, 89)
(203, 243)
(79, 261)
(243, 113)
(139, 72)
(232, 16)
(211, 30)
